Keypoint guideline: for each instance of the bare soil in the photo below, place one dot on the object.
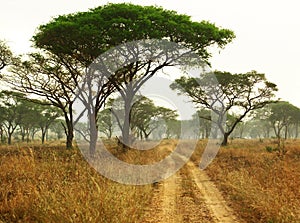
(189, 196)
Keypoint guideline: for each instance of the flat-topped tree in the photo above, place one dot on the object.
(81, 37)
(239, 93)
(86, 35)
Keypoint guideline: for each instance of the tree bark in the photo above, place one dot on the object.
(93, 134)
(43, 135)
(225, 139)
(9, 136)
(69, 131)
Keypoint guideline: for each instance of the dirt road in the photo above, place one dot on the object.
(189, 196)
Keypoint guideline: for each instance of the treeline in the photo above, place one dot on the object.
(24, 119)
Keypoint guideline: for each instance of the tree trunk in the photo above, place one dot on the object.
(93, 134)
(69, 128)
(9, 136)
(286, 132)
(23, 136)
(43, 135)
(127, 118)
(225, 139)
(27, 135)
(1, 135)
(69, 131)
(126, 124)
(110, 133)
(147, 135)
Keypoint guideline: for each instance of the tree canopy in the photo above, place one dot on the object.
(242, 92)
(86, 35)
(6, 56)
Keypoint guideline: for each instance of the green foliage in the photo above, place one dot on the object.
(243, 92)
(106, 122)
(269, 149)
(6, 56)
(28, 116)
(146, 116)
(85, 35)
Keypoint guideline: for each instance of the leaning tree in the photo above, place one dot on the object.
(238, 93)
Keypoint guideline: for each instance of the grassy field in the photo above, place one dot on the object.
(260, 186)
(51, 184)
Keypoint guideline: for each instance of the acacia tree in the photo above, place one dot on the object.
(46, 116)
(242, 92)
(84, 36)
(6, 56)
(28, 122)
(282, 116)
(11, 112)
(106, 122)
(57, 128)
(146, 116)
(205, 122)
(51, 79)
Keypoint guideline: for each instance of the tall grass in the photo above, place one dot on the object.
(261, 186)
(51, 184)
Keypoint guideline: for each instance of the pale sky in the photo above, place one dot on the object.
(267, 32)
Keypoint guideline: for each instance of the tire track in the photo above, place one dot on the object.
(212, 196)
(189, 196)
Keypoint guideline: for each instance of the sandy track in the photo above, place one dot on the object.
(212, 196)
(189, 196)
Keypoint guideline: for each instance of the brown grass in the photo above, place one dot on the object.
(261, 186)
(51, 184)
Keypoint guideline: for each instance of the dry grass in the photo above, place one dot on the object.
(51, 184)
(259, 185)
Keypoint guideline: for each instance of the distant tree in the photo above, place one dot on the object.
(11, 112)
(28, 121)
(46, 117)
(204, 117)
(243, 92)
(146, 116)
(57, 128)
(173, 129)
(283, 115)
(106, 122)
(259, 123)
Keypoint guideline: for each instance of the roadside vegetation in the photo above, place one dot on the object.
(259, 184)
(51, 184)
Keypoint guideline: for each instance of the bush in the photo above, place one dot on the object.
(269, 149)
